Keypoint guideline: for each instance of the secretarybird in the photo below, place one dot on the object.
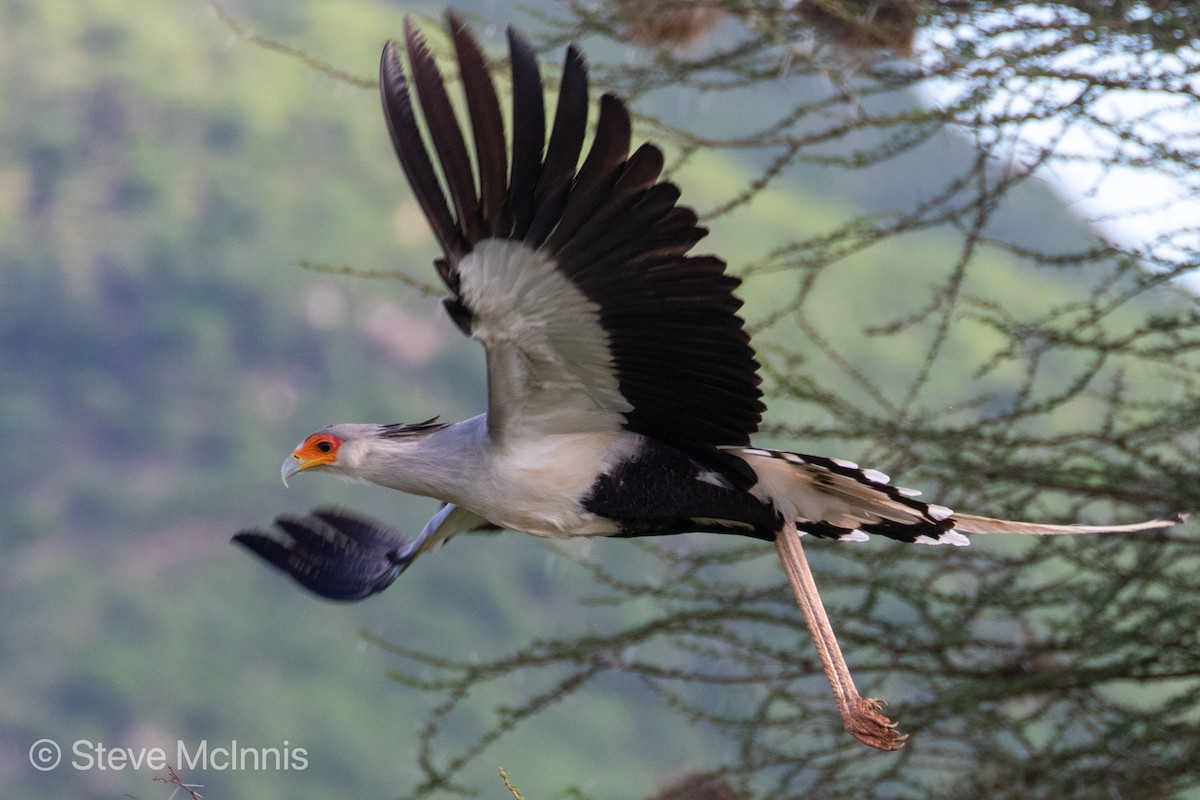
(622, 388)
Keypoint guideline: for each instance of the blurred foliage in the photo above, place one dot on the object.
(160, 351)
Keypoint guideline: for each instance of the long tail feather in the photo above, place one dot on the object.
(836, 499)
(969, 523)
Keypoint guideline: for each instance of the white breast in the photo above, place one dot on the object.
(538, 484)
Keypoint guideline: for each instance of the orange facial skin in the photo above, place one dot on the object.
(318, 449)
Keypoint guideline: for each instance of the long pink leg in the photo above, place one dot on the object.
(860, 716)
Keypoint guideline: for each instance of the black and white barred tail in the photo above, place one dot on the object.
(836, 499)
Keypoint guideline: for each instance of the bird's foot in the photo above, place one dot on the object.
(864, 722)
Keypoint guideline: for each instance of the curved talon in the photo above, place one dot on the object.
(863, 721)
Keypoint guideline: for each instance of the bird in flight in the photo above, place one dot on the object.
(622, 389)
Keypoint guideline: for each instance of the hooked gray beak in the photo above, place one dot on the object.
(291, 465)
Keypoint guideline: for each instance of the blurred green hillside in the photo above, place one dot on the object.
(161, 350)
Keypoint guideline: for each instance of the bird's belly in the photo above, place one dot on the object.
(540, 485)
(538, 510)
(561, 526)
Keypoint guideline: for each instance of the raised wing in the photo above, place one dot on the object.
(576, 281)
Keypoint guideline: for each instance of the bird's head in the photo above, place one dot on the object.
(356, 451)
(318, 451)
(336, 449)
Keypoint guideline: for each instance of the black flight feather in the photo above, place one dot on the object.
(487, 125)
(562, 152)
(596, 178)
(529, 132)
(414, 158)
(624, 202)
(332, 552)
(445, 132)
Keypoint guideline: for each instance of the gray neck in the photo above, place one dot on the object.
(444, 464)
